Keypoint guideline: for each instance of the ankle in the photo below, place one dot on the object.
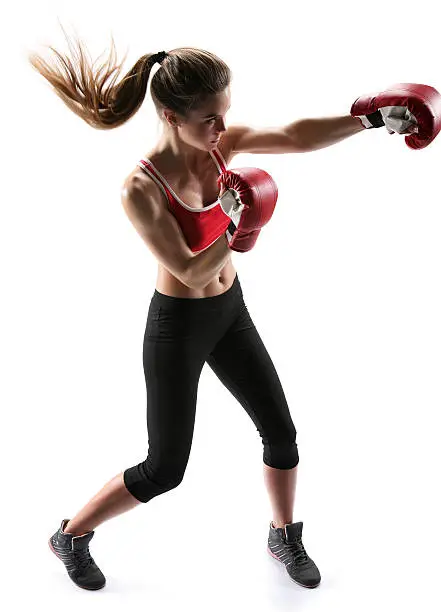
(280, 525)
(73, 531)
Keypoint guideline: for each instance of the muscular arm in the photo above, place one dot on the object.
(204, 266)
(163, 236)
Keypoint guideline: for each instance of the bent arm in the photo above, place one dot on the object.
(162, 234)
(204, 266)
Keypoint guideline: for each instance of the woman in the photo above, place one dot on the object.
(197, 313)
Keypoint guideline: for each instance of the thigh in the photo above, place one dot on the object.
(172, 375)
(242, 363)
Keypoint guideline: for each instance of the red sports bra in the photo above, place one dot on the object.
(200, 226)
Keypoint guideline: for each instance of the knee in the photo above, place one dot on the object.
(282, 455)
(145, 483)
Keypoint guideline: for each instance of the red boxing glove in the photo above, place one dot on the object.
(403, 108)
(249, 201)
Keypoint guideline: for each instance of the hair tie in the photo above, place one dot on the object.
(159, 57)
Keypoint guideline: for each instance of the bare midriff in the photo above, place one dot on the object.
(194, 192)
(170, 285)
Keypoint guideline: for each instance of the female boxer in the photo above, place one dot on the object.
(197, 313)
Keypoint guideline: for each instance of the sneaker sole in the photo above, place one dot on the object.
(306, 586)
(81, 587)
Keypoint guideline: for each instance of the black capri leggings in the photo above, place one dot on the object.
(181, 335)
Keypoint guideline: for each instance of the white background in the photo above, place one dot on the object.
(343, 286)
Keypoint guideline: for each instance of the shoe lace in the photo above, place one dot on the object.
(83, 558)
(299, 552)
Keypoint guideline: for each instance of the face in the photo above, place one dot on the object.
(205, 126)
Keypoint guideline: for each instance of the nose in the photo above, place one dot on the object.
(221, 125)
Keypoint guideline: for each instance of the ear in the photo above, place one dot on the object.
(172, 119)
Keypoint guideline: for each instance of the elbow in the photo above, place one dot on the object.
(193, 284)
(194, 280)
(197, 283)
(189, 280)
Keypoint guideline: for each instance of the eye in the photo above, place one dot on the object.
(210, 120)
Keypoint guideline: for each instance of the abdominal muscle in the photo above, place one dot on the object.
(170, 285)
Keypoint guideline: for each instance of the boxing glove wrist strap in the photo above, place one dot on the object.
(374, 120)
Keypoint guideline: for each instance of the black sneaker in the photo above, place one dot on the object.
(285, 545)
(74, 552)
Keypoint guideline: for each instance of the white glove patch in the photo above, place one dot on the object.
(232, 205)
(398, 119)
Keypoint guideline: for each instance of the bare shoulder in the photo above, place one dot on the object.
(226, 144)
(230, 139)
(141, 191)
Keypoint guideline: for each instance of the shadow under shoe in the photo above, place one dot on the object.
(285, 544)
(74, 553)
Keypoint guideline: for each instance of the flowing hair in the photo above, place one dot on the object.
(187, 77)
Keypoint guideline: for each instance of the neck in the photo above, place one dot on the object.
(179, 155)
